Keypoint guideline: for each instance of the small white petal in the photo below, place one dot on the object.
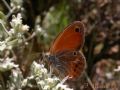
(117, 69)
(25, 28)
(109, 75)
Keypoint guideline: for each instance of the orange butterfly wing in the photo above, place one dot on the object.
(62, 51)
(72, 38)
(73, 64)
(77, 66)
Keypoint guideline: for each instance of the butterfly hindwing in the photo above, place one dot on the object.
(71, 63)
(77, 66)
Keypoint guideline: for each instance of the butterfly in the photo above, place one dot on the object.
(65, 55)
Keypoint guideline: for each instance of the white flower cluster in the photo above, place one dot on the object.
(15, 35)
(44, 79)
(16, 80)
(17, 26)
(7, 64)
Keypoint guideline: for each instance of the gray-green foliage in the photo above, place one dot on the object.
(12, 38)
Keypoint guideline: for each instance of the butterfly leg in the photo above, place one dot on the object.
(51, 71)
(65, 79)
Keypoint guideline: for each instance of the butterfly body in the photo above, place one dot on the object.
(65, 56)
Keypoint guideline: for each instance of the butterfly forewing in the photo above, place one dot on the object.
(72, 38)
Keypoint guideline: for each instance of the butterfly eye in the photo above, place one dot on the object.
(77, 29)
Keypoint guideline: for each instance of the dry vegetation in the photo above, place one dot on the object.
(27, 28)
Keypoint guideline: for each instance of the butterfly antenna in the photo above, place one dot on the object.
(89, 81)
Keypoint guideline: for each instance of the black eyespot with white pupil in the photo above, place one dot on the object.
(74, 53)
(77, 29)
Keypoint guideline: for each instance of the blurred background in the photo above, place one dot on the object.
(47, 18)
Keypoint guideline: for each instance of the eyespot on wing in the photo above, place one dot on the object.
(77, 67)
(72, 38)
